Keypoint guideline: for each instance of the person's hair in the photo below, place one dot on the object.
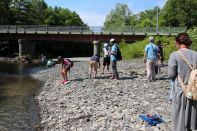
(183, 38)
(60, 59)
(159, 42)
(151, 39)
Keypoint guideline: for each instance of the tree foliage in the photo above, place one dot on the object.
(175, 13)
(30, 12)
(120, 16)
(180, 13)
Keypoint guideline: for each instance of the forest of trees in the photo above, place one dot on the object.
(36, 12)
(175, 13)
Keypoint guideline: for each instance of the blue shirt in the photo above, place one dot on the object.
(114, 50)
(151, 51)
(95, 58)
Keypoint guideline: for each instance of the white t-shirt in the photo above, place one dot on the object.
(106, 52)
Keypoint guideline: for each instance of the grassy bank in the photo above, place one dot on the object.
(136, 50)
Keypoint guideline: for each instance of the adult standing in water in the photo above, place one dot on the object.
(184, 110)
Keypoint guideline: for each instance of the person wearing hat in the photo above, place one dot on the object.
(114, 60)
(106, 57)
(150, 58)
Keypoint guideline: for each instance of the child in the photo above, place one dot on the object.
(94, 62)
(66, 65)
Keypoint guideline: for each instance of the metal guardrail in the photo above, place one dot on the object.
(43, 29)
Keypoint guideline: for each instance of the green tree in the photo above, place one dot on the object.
(5, 13)
(180, 13)
(21, 11)
(39, 8)
(61, 16)
(118, 17)
(148, 18)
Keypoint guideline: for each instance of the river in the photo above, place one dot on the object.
(18, 109)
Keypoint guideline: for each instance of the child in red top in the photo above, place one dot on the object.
(66, 65)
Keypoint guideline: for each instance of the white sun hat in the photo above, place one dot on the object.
(112, 40)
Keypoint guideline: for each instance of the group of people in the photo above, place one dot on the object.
(184, 110)
(110, 56)
(180, 64)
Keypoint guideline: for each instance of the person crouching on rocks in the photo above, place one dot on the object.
(94, 63)
(66, 65)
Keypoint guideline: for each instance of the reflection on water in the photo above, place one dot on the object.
(17, 105)
(14, 68)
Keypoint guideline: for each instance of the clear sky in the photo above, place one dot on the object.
(94, 12)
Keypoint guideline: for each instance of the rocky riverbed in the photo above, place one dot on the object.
(102, 104)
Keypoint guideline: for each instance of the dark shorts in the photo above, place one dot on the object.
(106, 61)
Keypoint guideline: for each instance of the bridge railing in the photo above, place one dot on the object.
(43, 29)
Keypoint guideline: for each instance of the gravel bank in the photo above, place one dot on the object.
(102, 104)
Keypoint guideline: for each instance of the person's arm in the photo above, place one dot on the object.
(144, 57)
(113, 50)
(172, 67)
(158, 53)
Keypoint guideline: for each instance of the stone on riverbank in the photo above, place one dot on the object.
(102, 104)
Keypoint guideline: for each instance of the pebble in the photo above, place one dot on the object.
(101, 103)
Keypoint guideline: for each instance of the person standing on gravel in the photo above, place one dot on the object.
(184, 110)
(114, 59)
(106, 57)
(94, 63)
(150, 58)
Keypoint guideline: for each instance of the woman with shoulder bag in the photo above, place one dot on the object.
(184, 110)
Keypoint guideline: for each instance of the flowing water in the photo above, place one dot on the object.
(18, 111)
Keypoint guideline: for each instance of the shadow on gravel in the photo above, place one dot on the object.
(163, 78)
(164, 65)
(78, 79)
(103, 77)
(127, 78)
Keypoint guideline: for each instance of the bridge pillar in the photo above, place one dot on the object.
(26, 48)
(96, 47)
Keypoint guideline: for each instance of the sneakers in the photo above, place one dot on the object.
(65, 82)
(113, 78)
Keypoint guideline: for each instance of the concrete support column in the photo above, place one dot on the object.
(96, 47)
(26, 48)
(20, 48)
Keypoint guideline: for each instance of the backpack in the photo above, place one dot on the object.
(118, 55)
(71, 62)
(190, 90)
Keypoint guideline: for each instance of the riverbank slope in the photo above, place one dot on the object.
(102, 104)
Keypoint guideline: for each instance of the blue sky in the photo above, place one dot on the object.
(94, 12)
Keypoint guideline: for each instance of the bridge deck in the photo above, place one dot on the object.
(39, 29)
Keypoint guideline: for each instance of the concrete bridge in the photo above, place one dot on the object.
(25, 33)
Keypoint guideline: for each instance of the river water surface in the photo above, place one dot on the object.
(18, 111)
